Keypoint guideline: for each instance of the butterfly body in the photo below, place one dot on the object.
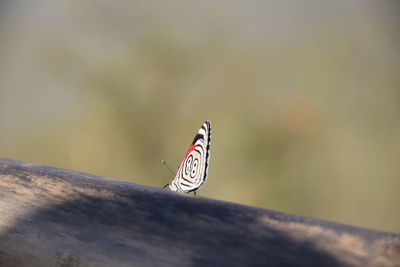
(193, 171)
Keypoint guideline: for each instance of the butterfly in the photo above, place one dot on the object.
(193, 171)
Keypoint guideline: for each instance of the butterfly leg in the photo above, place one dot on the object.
(194, 192)
(165, 186)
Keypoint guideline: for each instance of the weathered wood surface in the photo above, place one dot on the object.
(55, 217)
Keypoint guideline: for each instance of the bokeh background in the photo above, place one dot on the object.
(304, 97)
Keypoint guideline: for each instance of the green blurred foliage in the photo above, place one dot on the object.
(304, 97)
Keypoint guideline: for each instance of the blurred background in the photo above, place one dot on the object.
(304, 97)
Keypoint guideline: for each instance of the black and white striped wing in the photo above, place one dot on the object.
(193, 170)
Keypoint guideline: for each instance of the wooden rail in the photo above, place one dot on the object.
(55, 217)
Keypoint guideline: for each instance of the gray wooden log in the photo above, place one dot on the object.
(55, 217)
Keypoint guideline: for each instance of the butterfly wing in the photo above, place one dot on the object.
(193, 170)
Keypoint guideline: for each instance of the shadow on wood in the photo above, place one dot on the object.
(55, 217)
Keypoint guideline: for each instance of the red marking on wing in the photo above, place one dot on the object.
(191, 148)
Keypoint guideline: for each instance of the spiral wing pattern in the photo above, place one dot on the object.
(193, 170)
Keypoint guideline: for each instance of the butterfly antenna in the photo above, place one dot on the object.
(166, 165)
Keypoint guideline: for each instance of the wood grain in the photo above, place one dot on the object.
(55, 217)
